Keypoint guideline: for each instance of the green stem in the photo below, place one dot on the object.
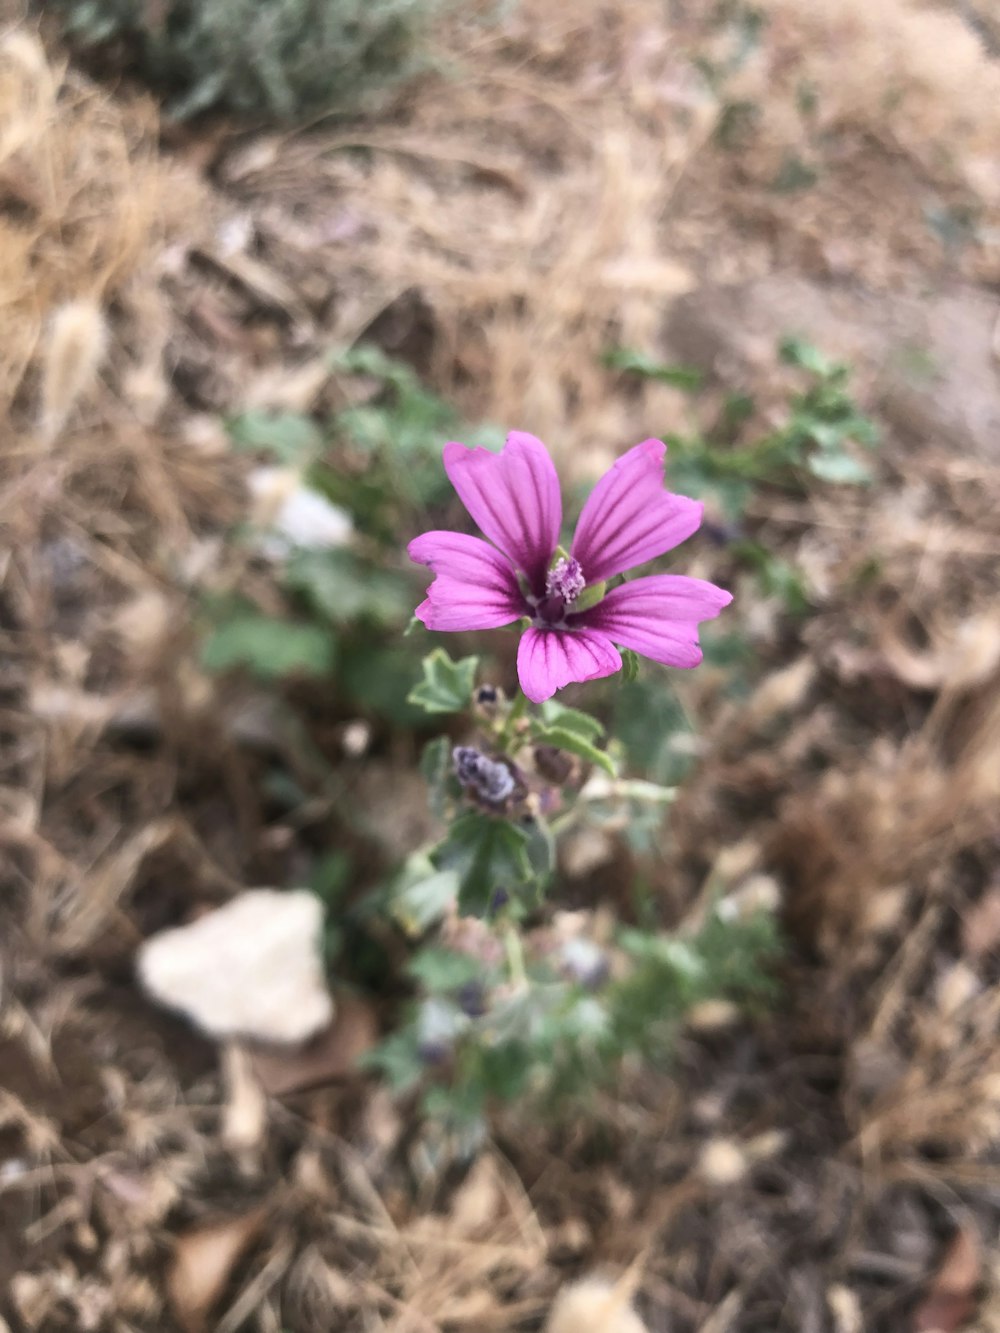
(515, 957)
(547, 833)
(510, 722)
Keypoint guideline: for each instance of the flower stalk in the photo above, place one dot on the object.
(512, 1001)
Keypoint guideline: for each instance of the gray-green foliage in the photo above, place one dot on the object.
(825, 435)
(348, 607)
(557, 1029)
(513, 1006)
(268, 648)
(274, 58)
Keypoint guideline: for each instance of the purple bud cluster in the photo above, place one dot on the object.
(491, 781)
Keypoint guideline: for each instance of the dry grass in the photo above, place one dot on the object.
(499, 230)
(453, 231)
(474, 196)
(84, 200)
(96, 505)
(916, 77)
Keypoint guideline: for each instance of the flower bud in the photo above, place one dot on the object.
(486, 778)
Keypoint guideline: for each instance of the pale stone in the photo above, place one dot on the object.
(594, 1305)
(930, 358)
(251, 968)
(586, 850)
(712, 1015)
(294, 515)
(722, 1162)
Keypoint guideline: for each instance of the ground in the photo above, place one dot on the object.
(566, 179)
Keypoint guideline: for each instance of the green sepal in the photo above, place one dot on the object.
(630, 664)
(590, 596)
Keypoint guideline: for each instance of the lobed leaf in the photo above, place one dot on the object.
(269, 647)
(486, 854)
(290, 437)
(447, 685)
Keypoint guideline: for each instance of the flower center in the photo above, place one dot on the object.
(563, 585)
(565, 579)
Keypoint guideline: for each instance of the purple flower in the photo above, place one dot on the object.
(628, 519)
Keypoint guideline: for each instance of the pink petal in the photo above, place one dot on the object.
(454, 604)
(514, 497)
(460, 556)
(476, 587)
(629, 518)
(658, 616)
(548, 659)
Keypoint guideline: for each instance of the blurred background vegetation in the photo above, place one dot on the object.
(258, 263)
(266, 59)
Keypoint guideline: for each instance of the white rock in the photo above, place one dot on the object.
(294, 515)
(586, 850)
(722, 1162)
(251, 968)
(593, 1305)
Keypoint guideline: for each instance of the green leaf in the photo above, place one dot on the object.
(737, 120)
(727, 649)
(486, 854)
(344, 588)
(461, 1111)
(630, 664)
(369, 359)
(839, 468)
(704, 473)
(654, 728)
(330, 876)
(794, 175)
(571, 719)
(447, 685)
(954, 227)
(778, 577)
(436, 766)
(634, 362)
(375, 676)
(505, 1069)
(289, 437)
(269, 648)
(422, 896)
(563, 739)
(397, 1059)
(862, 429)
(441, 970)
(737, 408)
(799, 352)
(405, 419)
